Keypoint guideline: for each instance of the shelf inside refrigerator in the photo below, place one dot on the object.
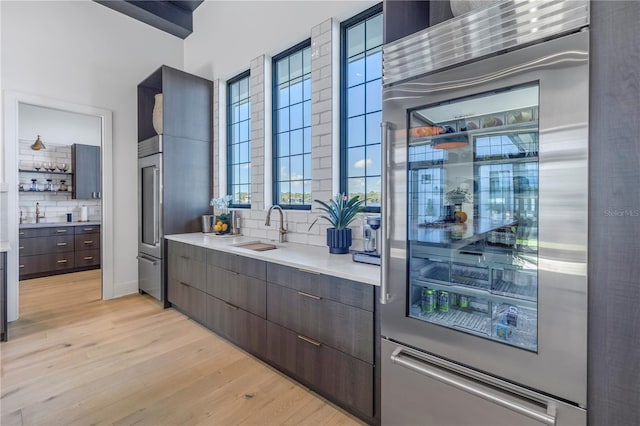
(499, 318)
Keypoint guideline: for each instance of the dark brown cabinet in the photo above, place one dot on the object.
(317, 328)
(339, 377)
(3, 297)
(51, 250)
(86, 166)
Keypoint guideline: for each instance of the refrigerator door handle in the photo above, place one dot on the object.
(426, 369)
(146, 259)
(156, 207)
(385, 210)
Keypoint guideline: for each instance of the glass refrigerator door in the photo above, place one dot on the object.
(473, 215)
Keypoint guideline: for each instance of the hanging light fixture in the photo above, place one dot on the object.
(38, 145)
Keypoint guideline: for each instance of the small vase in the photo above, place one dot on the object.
(157, 114)
(339, 240)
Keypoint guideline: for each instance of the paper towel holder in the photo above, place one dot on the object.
(84, 214)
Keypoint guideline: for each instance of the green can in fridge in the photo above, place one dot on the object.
(428, 300)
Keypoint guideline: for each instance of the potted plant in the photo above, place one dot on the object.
(340, 212)
(222, 224)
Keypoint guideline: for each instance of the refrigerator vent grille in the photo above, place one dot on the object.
(490, 30)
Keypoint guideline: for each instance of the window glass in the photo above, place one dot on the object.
(292, 128)
(362, 112)
(239, 141)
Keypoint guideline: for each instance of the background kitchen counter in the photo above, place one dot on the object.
(57, 224)
(308, 257)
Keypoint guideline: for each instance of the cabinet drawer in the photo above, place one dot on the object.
(328, 287)
(340, 326)
(87, 241)
(87, 258)
(45, 245)
(187, 251)
(245, 292)
(32, 232)
(241, 327)
(340, 377)
(236, 263)
(46, 263)
(189, 300)
(87, 229)
(184, 266)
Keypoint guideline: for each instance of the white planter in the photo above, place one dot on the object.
(157, 114)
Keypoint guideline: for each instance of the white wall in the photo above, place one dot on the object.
(58, 127)
(84, 53)
(229, 34)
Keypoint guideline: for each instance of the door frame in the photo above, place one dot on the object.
(12, 101)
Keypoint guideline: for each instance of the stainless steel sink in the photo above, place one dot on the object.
(256, 246)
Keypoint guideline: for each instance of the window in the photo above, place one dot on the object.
(292, 127)
(239, 141)
(362, 107)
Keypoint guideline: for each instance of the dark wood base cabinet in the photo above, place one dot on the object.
(316, 328)
(3, 297)
(52, 250)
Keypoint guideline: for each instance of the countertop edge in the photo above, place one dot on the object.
(58, 224)
(307, 257)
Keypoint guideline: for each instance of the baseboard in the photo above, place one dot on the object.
(123, 289)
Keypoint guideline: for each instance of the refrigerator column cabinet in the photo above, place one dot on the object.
(487, 220)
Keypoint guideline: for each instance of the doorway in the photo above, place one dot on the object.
(15, 105)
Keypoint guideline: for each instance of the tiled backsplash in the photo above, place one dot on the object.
(54, 206)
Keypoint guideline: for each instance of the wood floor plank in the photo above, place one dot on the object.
(73, 359)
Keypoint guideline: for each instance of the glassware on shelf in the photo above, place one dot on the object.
(63, 167)
(37, 165)
(63, 185)
(49, 185)
(34, 185)
(46, 165)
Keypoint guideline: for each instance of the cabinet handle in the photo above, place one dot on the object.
(309, 272)
(88, 242)
(20, 233)
(88, 258)
(21, 266)
(61, 244)
(62, 261)
(61, 231)
(309, 340)
(185, 257)
(88, 229)
(310, 296)
(21, 247)
(229, 305)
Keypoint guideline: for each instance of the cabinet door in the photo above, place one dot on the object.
(189, 300)
(3, 297)
(45, 245)
(86, 171)
(87, 258)
(186, 264)
(340, 326)
(240, 290)
(339, 289)
(338, 376)
(241, 327)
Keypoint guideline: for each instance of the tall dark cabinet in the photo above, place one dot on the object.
(174, 168)
(86, 168)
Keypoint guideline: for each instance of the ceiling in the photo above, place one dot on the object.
(174, 17)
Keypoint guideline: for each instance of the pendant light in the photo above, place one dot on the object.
(459, 140)
(38, 145)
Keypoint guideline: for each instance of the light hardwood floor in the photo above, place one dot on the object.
(72, 358)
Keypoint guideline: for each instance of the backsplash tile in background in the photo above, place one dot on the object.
(54, 206)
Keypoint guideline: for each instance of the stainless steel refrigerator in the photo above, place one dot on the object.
(484, 265)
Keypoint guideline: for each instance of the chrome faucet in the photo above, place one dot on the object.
(38, 217)
(267, 222)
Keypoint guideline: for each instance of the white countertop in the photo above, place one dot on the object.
(57, 224)
(4, 246)
(311, 258)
